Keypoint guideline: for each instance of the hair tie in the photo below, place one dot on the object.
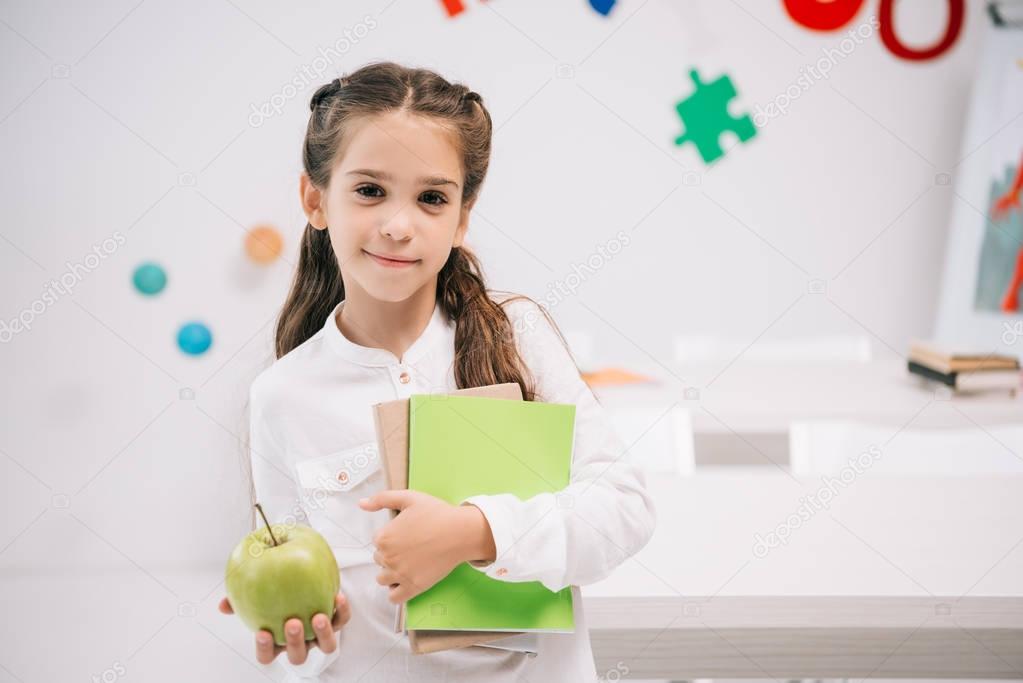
(326, 91)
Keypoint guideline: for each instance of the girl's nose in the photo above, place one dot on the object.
(398, 226)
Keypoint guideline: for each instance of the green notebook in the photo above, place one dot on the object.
(460, 446)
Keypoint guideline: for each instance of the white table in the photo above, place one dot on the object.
(910, 578)
(925, 579)
(748, 397)
(741, 413)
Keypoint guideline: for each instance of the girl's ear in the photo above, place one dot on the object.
(463, 224)
(312, 202)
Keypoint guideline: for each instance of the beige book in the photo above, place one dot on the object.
(391, 420)
(942, 359)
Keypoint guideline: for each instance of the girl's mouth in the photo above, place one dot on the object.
(390, 263)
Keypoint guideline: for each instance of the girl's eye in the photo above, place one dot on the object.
(369, 191)
(434, 198)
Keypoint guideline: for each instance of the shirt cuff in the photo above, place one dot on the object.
(496, 510)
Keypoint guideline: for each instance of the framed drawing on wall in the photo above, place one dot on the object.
(981, 301)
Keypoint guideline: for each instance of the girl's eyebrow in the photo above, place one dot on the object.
(381, 175)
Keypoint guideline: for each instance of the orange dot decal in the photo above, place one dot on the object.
(263, 244)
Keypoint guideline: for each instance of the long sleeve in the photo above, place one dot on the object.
(278, 495)
(578, 535)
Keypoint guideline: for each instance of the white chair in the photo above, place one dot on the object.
(662, 445)
(657, 444)
(825, 447)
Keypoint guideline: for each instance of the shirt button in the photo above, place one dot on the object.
(342, 477)
(404, 378)
(502, 571)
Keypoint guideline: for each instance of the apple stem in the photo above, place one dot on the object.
(260, 508)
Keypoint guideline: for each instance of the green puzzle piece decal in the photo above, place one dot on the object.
(705, 115)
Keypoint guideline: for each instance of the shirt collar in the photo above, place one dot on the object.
(435, 330)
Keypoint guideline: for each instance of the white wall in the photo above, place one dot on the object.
(841, 188)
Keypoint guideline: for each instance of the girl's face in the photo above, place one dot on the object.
(396, 191)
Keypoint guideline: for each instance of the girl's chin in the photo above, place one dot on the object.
(388, 292)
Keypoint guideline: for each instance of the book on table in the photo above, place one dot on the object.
(964, 371)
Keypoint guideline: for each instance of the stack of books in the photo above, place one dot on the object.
(484, 440)
(964, 372)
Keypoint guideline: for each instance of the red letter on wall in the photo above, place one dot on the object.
(892, 42)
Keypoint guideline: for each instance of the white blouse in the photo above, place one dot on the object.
(314, 455)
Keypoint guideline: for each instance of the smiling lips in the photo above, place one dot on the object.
(392, 262)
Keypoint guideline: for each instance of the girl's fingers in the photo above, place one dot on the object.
(225, 606)
(294, 634)
(398, 594)
(265, 651)
(297, 649)
(388, 578)
(342, 611)
(325, 638)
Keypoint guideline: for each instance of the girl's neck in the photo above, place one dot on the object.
(389, 325)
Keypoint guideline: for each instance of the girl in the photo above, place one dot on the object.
(387, 302)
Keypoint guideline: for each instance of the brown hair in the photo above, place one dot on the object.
(485, 351)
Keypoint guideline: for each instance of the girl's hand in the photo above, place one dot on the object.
(297, 647)
(428, 539)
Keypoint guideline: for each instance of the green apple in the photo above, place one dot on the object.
(275, 574)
